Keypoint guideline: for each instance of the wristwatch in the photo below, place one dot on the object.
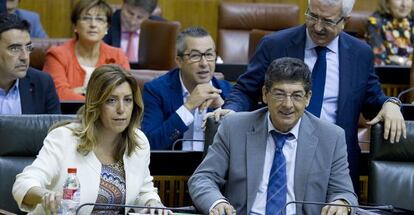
(394, 100)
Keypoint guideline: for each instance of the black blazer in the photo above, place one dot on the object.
(38, 93)
(3, 8)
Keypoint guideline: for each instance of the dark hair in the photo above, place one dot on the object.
(12, 21)
(147, 5)
(86, 5)
(288, 69)
(188, 32)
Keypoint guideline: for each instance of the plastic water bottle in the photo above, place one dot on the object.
(71, 193)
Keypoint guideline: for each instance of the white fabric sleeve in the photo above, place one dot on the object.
(185, 115)
(216, 203)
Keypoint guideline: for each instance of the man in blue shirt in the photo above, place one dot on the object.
(23, 90)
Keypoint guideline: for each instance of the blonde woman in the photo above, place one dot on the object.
(106, 146)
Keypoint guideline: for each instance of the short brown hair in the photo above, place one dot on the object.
(147, 5)
(86, 5)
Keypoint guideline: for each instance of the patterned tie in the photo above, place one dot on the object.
(277, 186)
(318, 81)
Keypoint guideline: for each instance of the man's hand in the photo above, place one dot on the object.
(218, 114)
(335, 210)
(222, 208)
(203, 96)
(394, 125)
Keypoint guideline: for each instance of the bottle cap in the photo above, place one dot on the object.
(71, 170)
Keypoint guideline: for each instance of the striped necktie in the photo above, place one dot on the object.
(277, 186)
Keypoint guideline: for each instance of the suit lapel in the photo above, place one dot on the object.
(305, 153)
(296, 49)
(176, 91)
(255, 153)
(347, 71)
(26, 99)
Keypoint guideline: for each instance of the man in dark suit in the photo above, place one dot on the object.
(23, 90)
(349, 87)
(261, 160)
(126, 23)
(176, 102)
(3, 8)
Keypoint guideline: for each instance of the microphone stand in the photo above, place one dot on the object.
(189, 209)
(182, 140)
(382, 207)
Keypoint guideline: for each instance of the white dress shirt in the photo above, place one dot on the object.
(289, 150)
(331, 92)
(195, 120)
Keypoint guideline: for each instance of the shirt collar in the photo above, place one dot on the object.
(294, 130)
(13, 88)
(332, 46)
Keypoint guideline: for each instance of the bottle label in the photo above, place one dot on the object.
(68, 193)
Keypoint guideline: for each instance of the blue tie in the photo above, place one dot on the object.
(318, 81)
(277, 186)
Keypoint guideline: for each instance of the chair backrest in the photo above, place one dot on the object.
(21, 139)
(391, 171)
(357, 24)
(40, 47)
(211, 130)
(255, 36)
(144, 75)
(236, 20)
(157, 45)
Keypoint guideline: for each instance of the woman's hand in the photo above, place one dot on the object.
(51, 202)
(157, 204)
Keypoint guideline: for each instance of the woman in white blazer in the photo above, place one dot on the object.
(105, 145)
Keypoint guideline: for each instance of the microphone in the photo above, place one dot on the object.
(188, 209)
(405, 92)
(181, 140)
(380, 207)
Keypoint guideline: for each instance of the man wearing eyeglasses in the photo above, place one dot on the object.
(264, 159)
(342, 68)
(23, 90)
(176, 102)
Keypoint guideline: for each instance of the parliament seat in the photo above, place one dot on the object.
(157, 45)
(391, 171)
(357, 24)
(40, 47)
(21, 139)
(236, 20)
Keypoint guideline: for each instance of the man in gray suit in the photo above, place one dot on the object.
(258, 175)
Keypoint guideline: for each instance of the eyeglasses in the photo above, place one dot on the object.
(281, 97)
(16, 50)
(326, 22)
(195, 56)
(89, 19)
